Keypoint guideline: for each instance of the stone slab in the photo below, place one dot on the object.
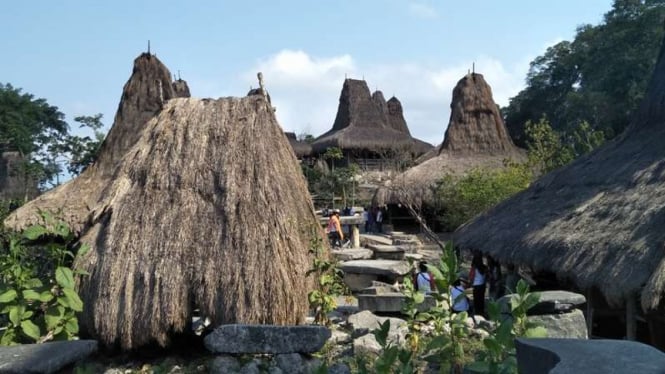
(352, 254)
(389, 268)
(389, 302)
(268, 339)
(366, 239)
(44, 358)
(563, 325)
(563, 356)
(551, 302)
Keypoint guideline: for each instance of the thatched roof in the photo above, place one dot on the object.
(207, 208)
(476, 137)
(300, 148)
(597, 221)
(143, 96)
(362, 124)
(180, 88)
(396, 116)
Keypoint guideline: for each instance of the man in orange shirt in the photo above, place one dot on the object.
(334, 229)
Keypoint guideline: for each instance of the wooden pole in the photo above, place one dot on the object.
(589, 312)
(631, 326)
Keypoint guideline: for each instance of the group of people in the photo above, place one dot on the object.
(480, 277)
(373, 218)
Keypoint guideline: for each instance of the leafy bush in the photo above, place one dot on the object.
(38, 300)
(461, 198)
(329, 282)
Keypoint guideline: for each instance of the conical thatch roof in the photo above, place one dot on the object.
(476, 137)
(300, 148)
(598, 221)
(396, 115)
(362, 124)
(180, 88)
(207, 208)
(143, 96)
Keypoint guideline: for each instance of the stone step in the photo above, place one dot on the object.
(352, 254)
(387, 252)
(359, 274)
(389, 302)
(367, 239)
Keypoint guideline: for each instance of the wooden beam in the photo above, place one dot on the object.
(631, 322)
(589, 312)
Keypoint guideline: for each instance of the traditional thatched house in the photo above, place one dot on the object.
(192, 204)
(597, 222)
(302, 149)
(476, 137)
(362, 130)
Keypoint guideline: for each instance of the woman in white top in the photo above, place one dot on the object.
(477, 276)
(458, 298)
(424, 281)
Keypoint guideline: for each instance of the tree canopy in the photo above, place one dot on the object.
(598, 78)
(38, 132)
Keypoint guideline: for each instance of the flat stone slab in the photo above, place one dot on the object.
(559, 356)
(268, 339)
(385, 248)
(390, 302)
(390, 268)
(352, 254)
(375, 239)
(551, 302)
(44, 358)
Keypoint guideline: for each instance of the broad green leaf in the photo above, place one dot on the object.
(15, 314)
(72, 326)
(30, 295)
(9, 337)
(30, 329)
(478, 367)
(85, 248)
(63, 301)
(73, 299)
(45, 296)
(34, 283)
(418, 297)
(64, 277)
(8, 296)
(34, 232)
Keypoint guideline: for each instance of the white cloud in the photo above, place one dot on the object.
(421, 10)
(305, 89)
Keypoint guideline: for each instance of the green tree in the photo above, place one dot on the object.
(83, 150)
(34, 129)
(598, 78)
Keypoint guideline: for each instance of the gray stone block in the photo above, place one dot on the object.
(224, 364)
(44, 358)
(564, 325)
(389, 302)
(551, 302)
(563, 356)
(268, 339)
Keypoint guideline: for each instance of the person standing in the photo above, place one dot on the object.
(494, 274)
(334, 229)
(478, 276)
(424, 280)
(379, 220)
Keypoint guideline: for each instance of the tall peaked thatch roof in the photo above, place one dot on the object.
(396, 115)
(476, 137)
(207, 209)
(362, 124)
(143, 96)
(180, 88)
(597, 221)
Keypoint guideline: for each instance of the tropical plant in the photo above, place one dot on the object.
(329, 284)
(37, 288)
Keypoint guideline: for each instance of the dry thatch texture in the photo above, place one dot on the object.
(181, 89)
(362, 124)
(598, 221)
(207, 208)
(300, 148)
(476, 137)
(396, 116)
(143, 96)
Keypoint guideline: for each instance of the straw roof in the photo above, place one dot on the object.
(476, 137)
(598, 221)
(206, 208)
(362, 124)
(300, 148)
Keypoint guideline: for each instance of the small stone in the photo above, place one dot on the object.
(224, 364)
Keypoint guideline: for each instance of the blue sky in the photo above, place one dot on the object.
(78, 54)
